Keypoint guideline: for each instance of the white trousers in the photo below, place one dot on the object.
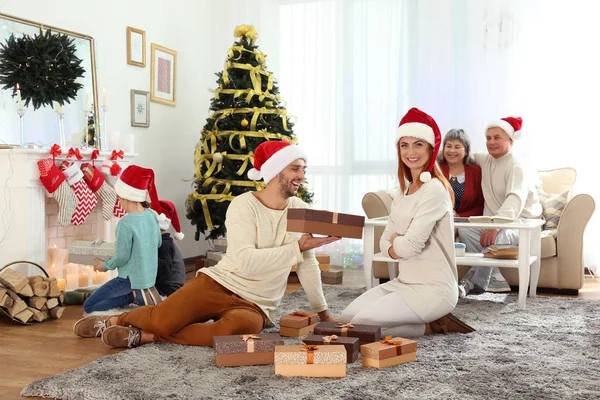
(387, 309)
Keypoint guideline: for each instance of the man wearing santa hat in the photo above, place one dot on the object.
(509, 192)
(240, 294)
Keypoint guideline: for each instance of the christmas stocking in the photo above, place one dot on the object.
(55, 182)
(111, 169)
(86, 201)
(103, 191)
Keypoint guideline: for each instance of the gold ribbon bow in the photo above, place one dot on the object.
(219, 198)
(249, 339)
(329, 339)
(310, 352)
(345, 328)
(388, 340)
(335, 218)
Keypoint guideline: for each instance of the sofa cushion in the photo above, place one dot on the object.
(553, 206)
(548, 243)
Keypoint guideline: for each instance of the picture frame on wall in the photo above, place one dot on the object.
(163, 75)
(136, 47)
(140, 108)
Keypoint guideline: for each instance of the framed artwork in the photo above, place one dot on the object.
(140, 109)
(136, 47)
(163, 75)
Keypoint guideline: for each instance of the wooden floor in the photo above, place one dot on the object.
(28, 353)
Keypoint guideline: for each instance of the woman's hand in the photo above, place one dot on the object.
(325, 317)
(391, 251)
(488, 237)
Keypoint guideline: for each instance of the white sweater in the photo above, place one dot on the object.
(261, 253)
(427, 278)
(508, 188)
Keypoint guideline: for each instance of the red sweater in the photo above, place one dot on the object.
(472, 199)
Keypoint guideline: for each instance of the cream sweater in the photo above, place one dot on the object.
(427, 278)
(261, 253)
(508, 188)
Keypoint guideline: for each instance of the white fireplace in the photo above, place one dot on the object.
(28, 223)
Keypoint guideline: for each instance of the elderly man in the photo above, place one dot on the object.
(509, 192)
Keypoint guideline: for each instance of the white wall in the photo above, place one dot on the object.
(200, 32)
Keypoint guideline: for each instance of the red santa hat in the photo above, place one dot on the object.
(510, 125)
(420, 125)
(137, 184)
(167, 216)
(271, 157)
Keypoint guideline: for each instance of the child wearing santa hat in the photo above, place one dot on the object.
(508, 191)
(419, 233)
(137, 240)
(171, 267)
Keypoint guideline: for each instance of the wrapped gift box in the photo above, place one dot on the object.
(332, 277)
(220, 245)
(237, 350)
(364, 333)
(96, 248)
(324, 261)
(311, 361)
(388, 352)
(215, 255)
(293, 278)
(321, 222)
(351, 344)
(297, 324)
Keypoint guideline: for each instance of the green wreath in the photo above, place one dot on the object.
(44, 65)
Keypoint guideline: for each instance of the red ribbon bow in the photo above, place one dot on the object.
(117, 154)
(74, 152)
(55, 151)
(94, 155)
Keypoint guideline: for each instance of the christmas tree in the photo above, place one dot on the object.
(246, 110)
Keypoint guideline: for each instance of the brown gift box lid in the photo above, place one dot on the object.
(235, 344)
(365, 333)
(350, 343)
(325, 216)
(298, 319)
(388, 348)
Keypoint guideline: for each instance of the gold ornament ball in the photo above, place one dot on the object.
(218, 157)
(244, 122)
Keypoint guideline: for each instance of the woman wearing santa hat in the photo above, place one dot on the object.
(419, 234)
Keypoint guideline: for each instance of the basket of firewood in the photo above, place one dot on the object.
(27, 299)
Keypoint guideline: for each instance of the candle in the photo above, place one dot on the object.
(56, 256)
(100, 278)
(58, 108)
(19, 103)
(71, 282)
(83, 279)
(54, 272)
(61, 283)
(104, 97)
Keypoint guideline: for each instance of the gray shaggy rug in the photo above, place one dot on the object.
(547, 352)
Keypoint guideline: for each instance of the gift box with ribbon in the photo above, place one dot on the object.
(311, 361)
(322, 222)
(351, 344)
(297, 324)
(388, 352)
(237, 350)
(364, 333)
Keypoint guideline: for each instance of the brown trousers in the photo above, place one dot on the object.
(181, 317)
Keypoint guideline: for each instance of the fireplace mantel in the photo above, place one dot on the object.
(23, 204)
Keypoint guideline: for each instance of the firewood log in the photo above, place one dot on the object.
(40, 287)
(26, 291)
(37, 302)
(51, 302)
(37, 314)
(54, 291)
(17, 305)
(24, 315)
(13, 280)
(57, 312)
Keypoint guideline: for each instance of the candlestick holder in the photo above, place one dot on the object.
(21, 114)
(103, 136)
(61, 128)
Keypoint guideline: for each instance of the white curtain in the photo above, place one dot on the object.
(350, 69)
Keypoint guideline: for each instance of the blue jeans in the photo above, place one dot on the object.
(113, 294)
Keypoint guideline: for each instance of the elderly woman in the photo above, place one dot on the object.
(464, 176)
